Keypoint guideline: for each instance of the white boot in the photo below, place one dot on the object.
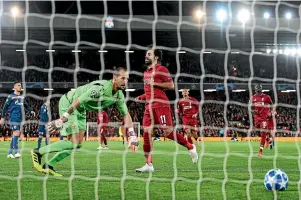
(146, 168)
(10, 156)
(17, 155)
(194, 154)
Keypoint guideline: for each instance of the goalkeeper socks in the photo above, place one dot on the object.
(57, 147)
(180, 139)
(39, 142)
(61, 155)
(58, 157)
(15, 144)
(10, 151)
(61, 137)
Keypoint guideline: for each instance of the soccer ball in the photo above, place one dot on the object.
(276, 179)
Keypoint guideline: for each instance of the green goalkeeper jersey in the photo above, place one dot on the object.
(98, 95)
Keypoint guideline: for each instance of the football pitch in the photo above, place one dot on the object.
(110, 174)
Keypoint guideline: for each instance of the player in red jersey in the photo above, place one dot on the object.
(102, 122)
(262, 114)
(157, 112)
(188, 108)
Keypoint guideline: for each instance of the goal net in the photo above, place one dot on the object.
(113, 130)
(218, 50)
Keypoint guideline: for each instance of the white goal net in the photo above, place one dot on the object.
(218, 50)
(112, 130)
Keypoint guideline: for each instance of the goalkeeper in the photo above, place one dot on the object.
(94, 96)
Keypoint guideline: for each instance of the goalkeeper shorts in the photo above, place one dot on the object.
(76, 121)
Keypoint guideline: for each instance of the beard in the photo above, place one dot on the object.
(148, 62)
(122, 87)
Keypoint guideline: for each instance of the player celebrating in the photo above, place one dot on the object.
(188, 108)
(42, 123)
(262, 113)
(157, 108)
(102, 122)
(94, 96)
(15, 103)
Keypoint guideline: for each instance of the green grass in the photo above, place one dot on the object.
(174, 175)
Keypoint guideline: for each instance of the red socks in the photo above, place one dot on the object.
(180, 139)
(263, 138)
(147, 148)
(189, 139)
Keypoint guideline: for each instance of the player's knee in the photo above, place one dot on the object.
(168, 130)
(147, 130)
(16, 133)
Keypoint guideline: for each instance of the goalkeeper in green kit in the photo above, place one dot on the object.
(94, 96)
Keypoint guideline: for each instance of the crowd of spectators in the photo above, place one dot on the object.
(216, 114)
(89, 65)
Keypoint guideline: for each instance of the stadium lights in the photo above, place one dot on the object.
(20, 50)
(280, 51)
(72, 89)
(129, 51)
(266, 15)
(76, 51)
(207, 52)
(210, 90)
(293, 51)
(288, 15)
(269, 51)
(275, 51)
(238, 90)
(234, 52)
(15, 11)
(265, 90)
(243, 16)
(50, 50)
(287, 91)
(221, 15)
(130, 90)
(181, 51)
(102, 51)
(48, 89)
(199, 14)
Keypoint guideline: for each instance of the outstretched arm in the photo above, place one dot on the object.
(141, 97)
(128, 123)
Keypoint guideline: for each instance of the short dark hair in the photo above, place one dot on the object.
(16, 82)
(117, 70)
(157, 52)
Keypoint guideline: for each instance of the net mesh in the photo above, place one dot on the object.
(203, 155)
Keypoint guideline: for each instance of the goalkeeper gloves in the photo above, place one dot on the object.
(133, 140)
(55, 126)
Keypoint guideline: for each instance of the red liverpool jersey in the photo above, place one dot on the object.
(188, 107)
(156, 95)
(261, 106)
